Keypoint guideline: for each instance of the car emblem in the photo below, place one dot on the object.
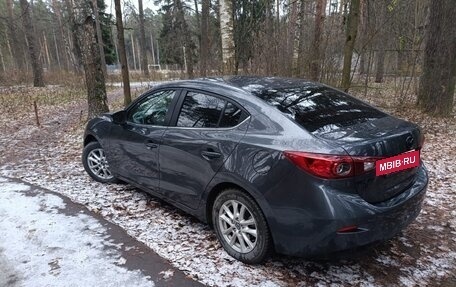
(409, 141)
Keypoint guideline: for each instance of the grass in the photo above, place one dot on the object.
(16, 99)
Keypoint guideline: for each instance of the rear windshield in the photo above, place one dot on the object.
(319, 109)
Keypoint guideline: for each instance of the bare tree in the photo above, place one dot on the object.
(17, 55)
(188, 45)
(142, 40)
(122, 53)
(381, 40)
(99, 37)
(76, 58)
(34, 53)
(62, 37)
(204, 50)
(364, 24)
(292, 23)
(91, 58)
(316, 49)
(226, 32)
(437, 83)
(302, 53)
(198, 22)
(351, 32)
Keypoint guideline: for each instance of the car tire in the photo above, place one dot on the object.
(241, 227)
(92, 154)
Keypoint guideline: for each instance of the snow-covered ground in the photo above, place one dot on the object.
(424, 254)
(41, 246)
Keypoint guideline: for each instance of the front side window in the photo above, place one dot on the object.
(152, 110)
(200, 111)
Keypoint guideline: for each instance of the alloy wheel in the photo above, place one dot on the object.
(238, 226)
(98, 164)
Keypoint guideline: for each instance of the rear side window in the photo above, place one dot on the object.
(232, 116)
(319, 109)
(200, 111)
(206, 111)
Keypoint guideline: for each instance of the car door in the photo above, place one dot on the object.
(205, 130)
(135, 143)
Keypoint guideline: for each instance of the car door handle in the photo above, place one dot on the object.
(150, 144)
(209, 155)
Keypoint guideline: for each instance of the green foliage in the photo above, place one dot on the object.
(106, 21)
(249, 20)
(170, 38)
(402, 42)
(174, 33)
(392, 5)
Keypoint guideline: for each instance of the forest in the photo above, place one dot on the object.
(406, 45)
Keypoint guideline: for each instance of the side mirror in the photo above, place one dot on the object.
(119, 117)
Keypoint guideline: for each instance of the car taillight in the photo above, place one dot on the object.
(331, 166)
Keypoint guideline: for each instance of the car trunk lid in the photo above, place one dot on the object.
(382, 137)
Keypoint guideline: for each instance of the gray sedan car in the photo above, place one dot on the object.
(271, 163)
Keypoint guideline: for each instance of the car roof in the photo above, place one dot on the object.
(249, 84)
(241, 88)
(257, 83)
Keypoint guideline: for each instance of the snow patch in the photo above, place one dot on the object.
(167, 274)
(13, 186)
(43, 247)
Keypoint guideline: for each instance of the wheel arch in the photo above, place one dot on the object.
(212, 195)
(220, 184)
(89, 138)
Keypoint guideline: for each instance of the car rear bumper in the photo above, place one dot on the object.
(307, 235)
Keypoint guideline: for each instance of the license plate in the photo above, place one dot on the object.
(396, 163)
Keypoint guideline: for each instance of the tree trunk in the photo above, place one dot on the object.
(316, 49)
(34, 52)
(3, 63)
(380, 65)
(122, 55)
(198, 23)
(87, 40)
(94, 76)
(46, 49)
(16, 52)
(362, 62)
(142, 40)
(301, 71)
(76, 58)
(61, 37)
(364, 24)
(291, 36)
(351, 32)
(437, 83)
(99, 37)
(381, 41)
(204, 50)
(187, 40)
(227, 36)
(133, 50)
